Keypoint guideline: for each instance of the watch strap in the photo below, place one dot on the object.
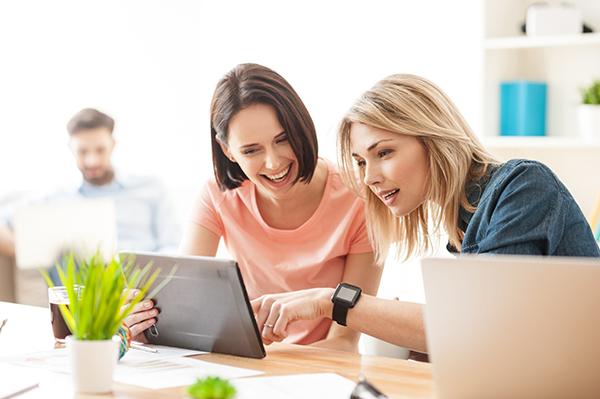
(340, 311)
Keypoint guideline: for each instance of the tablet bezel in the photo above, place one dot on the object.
(204, 307)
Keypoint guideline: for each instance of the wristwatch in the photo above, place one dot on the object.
(344, 298)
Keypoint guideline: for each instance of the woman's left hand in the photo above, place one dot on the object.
(142, 316)
(275, 312)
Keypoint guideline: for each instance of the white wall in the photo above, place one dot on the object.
(153, 66)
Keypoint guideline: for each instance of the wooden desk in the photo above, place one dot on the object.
(28, 330)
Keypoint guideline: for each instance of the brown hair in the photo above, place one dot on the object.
(414, 106)
(251, 84)
(89, 118)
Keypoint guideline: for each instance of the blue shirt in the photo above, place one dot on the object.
(524, 209)
(146, 220)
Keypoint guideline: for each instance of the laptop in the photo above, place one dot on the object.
(44, 232)
(513, 326)
(203, 307)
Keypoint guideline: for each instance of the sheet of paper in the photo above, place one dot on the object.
(165, 369)
(298, 386)
(56, 359)
(17, 379)
(176, 372)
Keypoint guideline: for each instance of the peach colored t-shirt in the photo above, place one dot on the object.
(274, 261)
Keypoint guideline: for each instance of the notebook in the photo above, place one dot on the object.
(513, 326)
(44, 232)
(203, 307)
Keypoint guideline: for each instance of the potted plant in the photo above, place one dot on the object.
(98, 305)
(211, 388)
(588, 112)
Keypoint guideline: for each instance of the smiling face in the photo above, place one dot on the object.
(395, 166)
(259, 144)
(92, 149)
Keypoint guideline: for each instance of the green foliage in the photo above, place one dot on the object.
(211, 388)
(98, 293)
(591, 95)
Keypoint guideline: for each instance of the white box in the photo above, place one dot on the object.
(545, 19)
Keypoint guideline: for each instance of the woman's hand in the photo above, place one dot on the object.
(141, 317)
(275, 312)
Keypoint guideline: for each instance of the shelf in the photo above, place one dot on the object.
(538, 142)
(517, 42)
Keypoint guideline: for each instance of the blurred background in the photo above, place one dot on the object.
(152, 66)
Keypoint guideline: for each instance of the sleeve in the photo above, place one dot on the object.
(529, 215)
(167, 229)
(204, 208)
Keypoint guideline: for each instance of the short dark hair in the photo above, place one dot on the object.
(89, 118)
(251, 84)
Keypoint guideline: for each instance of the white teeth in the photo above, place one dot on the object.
(278, 178)
(389, 195)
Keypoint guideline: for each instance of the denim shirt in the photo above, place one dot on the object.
(524, 209)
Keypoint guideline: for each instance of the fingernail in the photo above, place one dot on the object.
(150, 322)
(154, 313)
(148, 304)
(136, 294)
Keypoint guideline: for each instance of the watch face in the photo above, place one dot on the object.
(347, 294)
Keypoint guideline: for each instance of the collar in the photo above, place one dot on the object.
(116, 183)
(474, 191)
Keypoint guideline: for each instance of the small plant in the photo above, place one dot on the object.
(591, 95)
(211, 388)
(98, 293)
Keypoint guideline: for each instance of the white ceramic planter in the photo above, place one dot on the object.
(93, 364)
(588, 118)
(377, 347)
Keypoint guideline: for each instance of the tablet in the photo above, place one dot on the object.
(203, 307)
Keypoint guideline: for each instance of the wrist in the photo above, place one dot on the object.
(344, 298)
(325, 304)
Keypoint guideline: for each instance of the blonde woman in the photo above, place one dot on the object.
(424, 172)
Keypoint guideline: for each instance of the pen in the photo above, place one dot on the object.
(142, 347)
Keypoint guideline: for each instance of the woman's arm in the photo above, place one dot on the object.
(397, 322)
(400, 323)
(199, 241)
(359, 270)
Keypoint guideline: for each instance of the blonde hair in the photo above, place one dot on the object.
(412, 105)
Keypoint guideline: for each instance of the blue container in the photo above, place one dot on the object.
(522, 108)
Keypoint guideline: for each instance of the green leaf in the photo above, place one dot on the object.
(591, 95)
(212, 388)
(97, 292)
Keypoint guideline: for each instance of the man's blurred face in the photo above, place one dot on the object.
(92, 149)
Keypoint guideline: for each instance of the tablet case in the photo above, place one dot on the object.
(204, 307)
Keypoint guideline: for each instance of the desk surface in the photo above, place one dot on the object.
(28, 330)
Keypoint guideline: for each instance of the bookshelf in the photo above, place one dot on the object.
(565, 62)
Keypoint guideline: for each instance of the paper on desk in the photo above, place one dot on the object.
(17, 379)
(56, 359)
(176, 372)
(165, 369)
(298, 386)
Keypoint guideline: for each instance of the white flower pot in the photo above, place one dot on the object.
(588, 117)
(377, 347)
(93, 363)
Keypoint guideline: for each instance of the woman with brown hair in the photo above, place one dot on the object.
(284, 213)
(423, 172)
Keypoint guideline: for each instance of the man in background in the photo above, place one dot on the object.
(146, 220)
